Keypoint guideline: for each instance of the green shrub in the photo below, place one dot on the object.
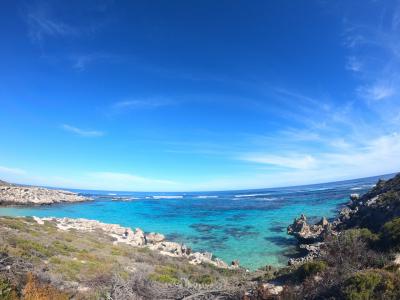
(7, 292)
(390, 235)
(29, 248)
(372, 284)
(164, 278)
(62, 248)
(165, 274)
(310, 269)
(202, 279)
(364, 234)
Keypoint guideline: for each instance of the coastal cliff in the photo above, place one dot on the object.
(12, 194)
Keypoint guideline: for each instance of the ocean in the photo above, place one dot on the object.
(247, 225)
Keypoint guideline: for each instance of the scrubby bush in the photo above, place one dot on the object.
(165, 274)
(34, 290)
(372, 284)
(351, 251)
(310, 269)
(7, 291)
(390, 235)
(202, 279)
(363, 234)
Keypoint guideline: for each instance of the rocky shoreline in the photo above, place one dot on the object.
(138, 238)
(370, 209)
(11, 194)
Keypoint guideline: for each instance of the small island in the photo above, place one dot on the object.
(13, 194)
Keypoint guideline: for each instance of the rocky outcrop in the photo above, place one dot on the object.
(138, 238)
(371, 210)
(153, 238)
(374, 208)
(306, 233)
(310, 238)
(308, 252)
(29, 195)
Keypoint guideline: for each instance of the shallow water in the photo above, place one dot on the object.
(246, 225)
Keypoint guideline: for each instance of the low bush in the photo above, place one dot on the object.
(165, 274)
(34, 290)
(202, 279)
(7, 291)
(390, 235)
(363, 234)
(372, 284)
(310, 269)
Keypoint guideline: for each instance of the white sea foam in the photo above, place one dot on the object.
(362, 187)
(206, 197)
(167, 197)
(252, 195)
(267, 199)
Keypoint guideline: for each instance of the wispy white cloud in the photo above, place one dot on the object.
(354, 64)
(292, 161)
(49, 19)
(374, 52)
(380, 155)
(378, 91)
(41, 23)
(11, 171)
(141, 103)
(82, 132)
(127, 181)
(82, 61)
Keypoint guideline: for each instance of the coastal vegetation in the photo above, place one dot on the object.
(39, 259)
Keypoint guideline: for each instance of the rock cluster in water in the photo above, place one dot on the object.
(29, 195)
(138, 238)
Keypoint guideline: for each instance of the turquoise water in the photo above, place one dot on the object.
(246, 225)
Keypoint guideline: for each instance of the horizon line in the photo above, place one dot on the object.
(210, 191)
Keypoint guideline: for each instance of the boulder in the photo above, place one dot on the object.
(354, 197)
(154, 237)
(267, 290)
(235, 263)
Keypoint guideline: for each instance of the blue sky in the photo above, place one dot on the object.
(198, 95)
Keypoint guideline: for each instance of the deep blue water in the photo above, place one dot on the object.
(246, 225)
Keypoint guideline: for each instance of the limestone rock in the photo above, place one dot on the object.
(30, 195)
(308, 233)
(265, 291)
(154, 237)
